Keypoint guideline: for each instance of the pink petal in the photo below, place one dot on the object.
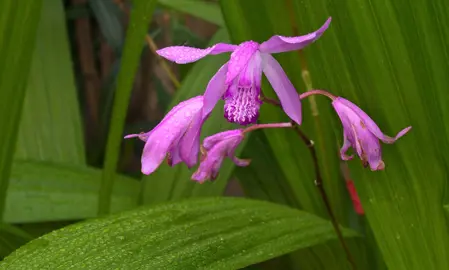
(399, 135)
(155, 150)
(240, 162)
(348, 118)
(283, 87)
(194, 104)
(165, 135)
(277, 44)
(251, 75)
(218, 147)
(370, 124)
(174, 156)
(345, 148)
(190, 142)
(142, 136)
(214, 90)
(184, 54)
(240, 58)
(209, 167)
(212, 140)
(372, 150)
(131, 136)
(233, 144)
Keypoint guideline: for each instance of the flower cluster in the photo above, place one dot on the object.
(238, 83)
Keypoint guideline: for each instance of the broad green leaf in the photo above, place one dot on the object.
(206, 233)
(141, 14)
(207, 11)
(391, 58)
(169, 183)
(50, 127)
(18, 24)
(42, 191)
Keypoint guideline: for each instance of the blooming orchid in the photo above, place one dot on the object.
(176, 136)
(362, 133)
(215, 149)
(238, 81)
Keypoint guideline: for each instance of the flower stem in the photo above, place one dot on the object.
(316, 92)
(271, 125)
(301, 96)
(319, 183)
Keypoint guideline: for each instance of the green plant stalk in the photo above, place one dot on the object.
(141, 15)
(18, 26)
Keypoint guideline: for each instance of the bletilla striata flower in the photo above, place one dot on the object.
(362, 133)
(216, 148)
(176, 136)
(238, 81)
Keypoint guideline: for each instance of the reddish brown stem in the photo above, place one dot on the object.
(270, 125)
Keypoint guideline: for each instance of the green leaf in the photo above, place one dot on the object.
(50, 127)
(43, 191)
(18, 24)
(391, 58)
(207, 11)
(207, 233)
(169, 183)
(141, 15)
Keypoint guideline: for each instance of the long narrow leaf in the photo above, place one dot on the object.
(43, 191)
(50, 127)
(140, 18)
(18, 24)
